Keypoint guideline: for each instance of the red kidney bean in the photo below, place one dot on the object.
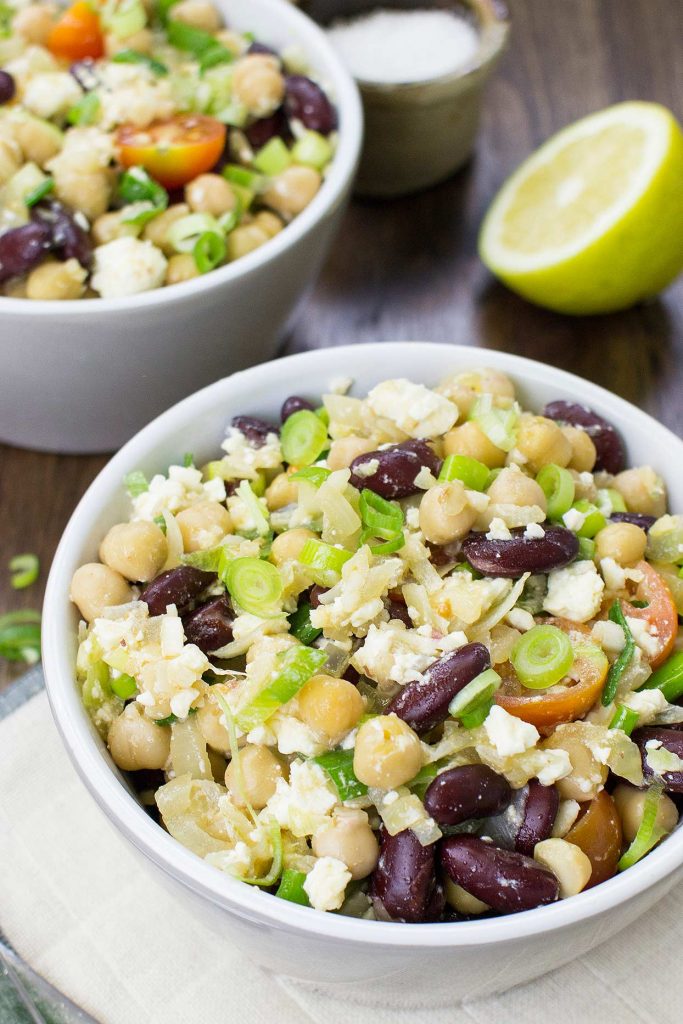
(424, 703)
(538, 816)
(512, 558)
(404, 881)
(397, 468)
(444, 554)
(85, 74)
(7, 87)
(672, 739)
(507, 881)
(22, 249)
(306, 102)
(262, 48)
(179, 586)
(608, 443)
(470, 791)
(68, 237)
(254, 429)
(398, 610)
(351, 675)
(315, 593)
(636, 518)
(267, 128)
(210, 625)
(295, 404)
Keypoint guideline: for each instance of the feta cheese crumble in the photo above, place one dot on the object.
(127, 266)
(415, 409)
(326, 883)
(574, 592)
(509, 735)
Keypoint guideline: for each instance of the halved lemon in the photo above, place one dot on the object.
(593, 221)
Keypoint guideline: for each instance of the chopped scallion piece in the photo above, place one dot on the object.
(242, 176)
(184, 232)
(383, 519)
(25, 569)
(188, 460)
(275, 834)
(499, 425)
(160, 522)
(649, 833)
(323, 561)
(256, 586)
(620, 665)
(316, 475)
(294, 668)
(198, 42)
(424, 777)
(478, 691)
(123, 686)
(292, 887)
(339, 766)
(386, 547)
(471, 472)
(312, 149)
(593, 522)
(136, 483)
(586, 549)
(302, 438)
(542, 657)
(209, 251)
(136, 186)
(273, 158)
(625, 719)
(124, 19)
(322, 413)
(136, 57)
(610, 500)
(477, 715)
(668, 678)
(85, 111)
(300, 624)
(558, 486)
(20, 636)
(39, 192)
(261, 527)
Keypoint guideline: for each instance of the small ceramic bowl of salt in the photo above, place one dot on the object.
(421, 70)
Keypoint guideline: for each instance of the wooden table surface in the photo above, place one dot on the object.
(409, 270)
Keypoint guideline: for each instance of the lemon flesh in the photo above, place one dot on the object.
(592, 222)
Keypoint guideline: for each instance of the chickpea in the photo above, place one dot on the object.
(156, 230)
(631, 804)
(110, 226)
(464, 388)
(583, 450)
(329, 705)
(35, 22)
(345, 449)
(445, 514)
(349, 838)
(181, 267)
(288, 545)
(282, 491)
(269, 222)
(53, 280)
(38, 140)
(95, 587)
(260, 770)
(514, 487)
(136, 742)
(387, 753)
(587, 776)
(541, 441)
(245, 239)
(258, 84)
(137, 550)
(463, 901)
(198, 14)
(88, 192)
(568, 863)
(141, 41)
(642, 490)
(211, 726)
(203, 525)
(292, 190)
(10, 159)
(624, 542)
(210, 193)
(469, 439)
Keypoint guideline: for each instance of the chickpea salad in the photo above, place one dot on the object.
(143, 144)
(409, 657)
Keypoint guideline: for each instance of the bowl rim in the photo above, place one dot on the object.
(342, 170)
(115, 800)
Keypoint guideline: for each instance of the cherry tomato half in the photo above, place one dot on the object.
(564, 702)
(598, 833)
(174, 151)
(661, 614)
(77, 34)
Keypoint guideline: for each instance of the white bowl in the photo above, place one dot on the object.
(84, 376)
(387, 963)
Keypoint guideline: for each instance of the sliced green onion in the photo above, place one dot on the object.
(123, 686)
(339, 766)
(475, 717)
(625, 719)
(474, 474)
(316, 475)
(188, 460)
(542, 657)
(665, 540)
(594, 520)
(649, 833)
(620, 665)
(668, 678)
(136, 483)
(558, 486)
(426, 775)
(85, 111)
(378, 514)
(243, 177)
(25, 569)
(39, 192)
(322, 413)
(610, 500)
(312, 150)
(586, 549)
(198, 42)
(302, 438)
(272, 876)
(395, 543)
(184, 232)
(163, 9)
(256, 509)
(136, 57)
(161, 523)
(6, 15)
(323, 561)
(466, 567)
(20, 636)
(292, 887)
(300, 624)
(255, 585)
(478, 691)
(294, 668)
(235, 754)
(273, 158)
(124, 19)
(499, 425)
(209, 250)
(136, 186)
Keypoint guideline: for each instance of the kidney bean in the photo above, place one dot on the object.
(267, 128)
(178, 586)
(262, 48)
(7, 87)
(315, 593)
(608, 443)
(351, 675)
(444, 554)
(397, 468)
(398, 610)
(295, 404)
(470, 791)
(424, 703)
(404, 881)
(210, 625)
(254, 429)
(68, 237)
(21, 249)
(306, 102)
(504, 879)
(539, 811)
(85, 74)
(636, 518)
(672, 739)
(512, 558)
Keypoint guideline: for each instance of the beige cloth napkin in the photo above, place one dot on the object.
(76, 906)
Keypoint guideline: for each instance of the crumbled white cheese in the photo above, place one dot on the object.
(574, 592)
(127, 266)
(393, 654)
(132, 94)
(534, 531)
(51, 94)
(661, 760)
(425, 479)
(182, 488)
(512, 515)
(354, 602)
(647, 703)
(573, 519)
(295, 737)
(243, 460)
(340, 385)
(567, 813)
(326, 883)
(645, 636)
(413, 518)
(498, 530)
(521, 619)
(303, 804)
(509, 735)
(366, 469)
(616, 576)
(609, 635)
(415, 410)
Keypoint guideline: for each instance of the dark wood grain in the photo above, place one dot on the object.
(409, 270)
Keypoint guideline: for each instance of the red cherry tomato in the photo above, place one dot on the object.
(77, 34)
(174, 151)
